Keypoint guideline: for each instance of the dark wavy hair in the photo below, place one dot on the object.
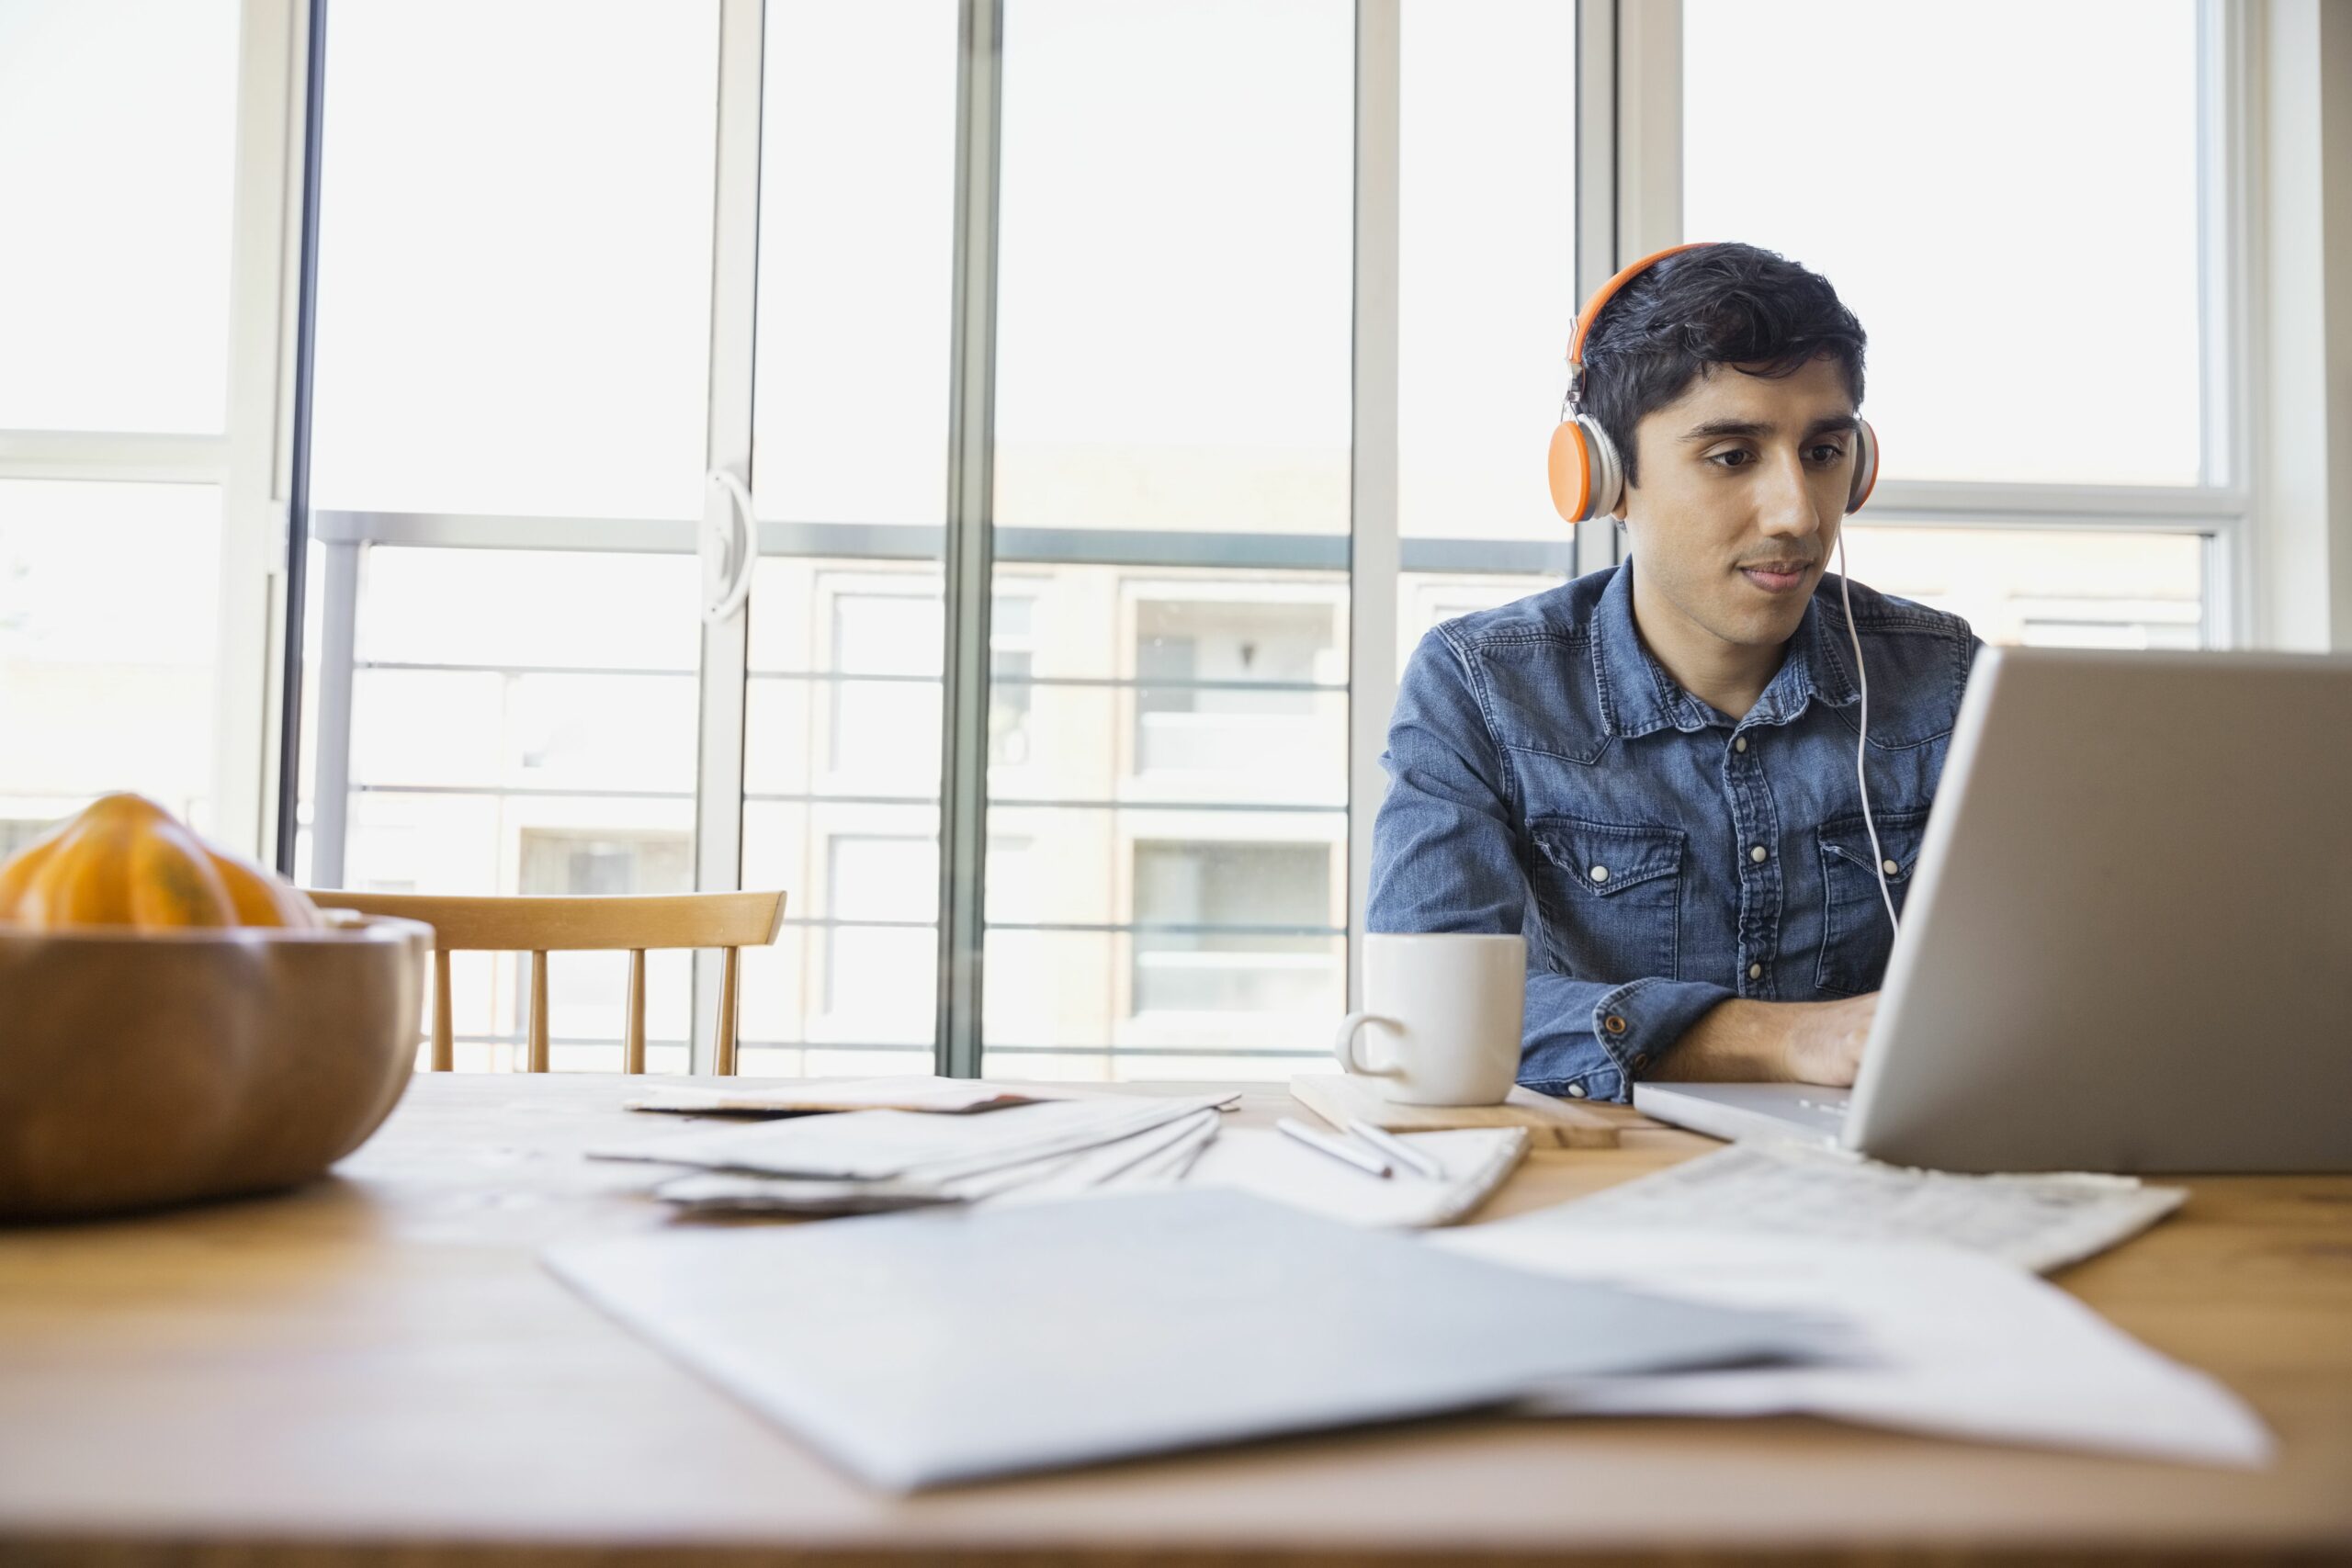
(1722, 304)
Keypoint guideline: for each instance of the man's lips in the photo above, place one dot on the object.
(1776, 576)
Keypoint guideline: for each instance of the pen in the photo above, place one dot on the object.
(1323, 1142)
(1396, 1149)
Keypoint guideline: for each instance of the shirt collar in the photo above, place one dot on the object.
(1638, 696)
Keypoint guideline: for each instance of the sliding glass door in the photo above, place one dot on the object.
(841, 713)
(1062, 294)
(1167, 844)
(514, 329)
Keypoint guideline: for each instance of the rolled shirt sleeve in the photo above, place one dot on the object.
(1446, 857)
(1590, 1039)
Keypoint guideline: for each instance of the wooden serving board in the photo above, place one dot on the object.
(1561, 1124)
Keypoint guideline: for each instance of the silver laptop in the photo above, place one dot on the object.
(2128, 944)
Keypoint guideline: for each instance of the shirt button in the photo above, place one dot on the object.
(1576, 1091)
(1615, 1024)
(1758, 854)
(1739, 743)
(1889, 867)
(1638, 1059)
(1601, 874)
(1756, 971)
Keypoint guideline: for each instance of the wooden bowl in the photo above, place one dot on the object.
(140, 1068)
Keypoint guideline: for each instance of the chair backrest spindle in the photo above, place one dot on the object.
(538, 1044)
(724, 1062)
(444, 1048)
(633, 1045)
(538, 926)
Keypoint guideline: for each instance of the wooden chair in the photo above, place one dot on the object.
(540, 926)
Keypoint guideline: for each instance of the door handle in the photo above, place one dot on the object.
(729, 551)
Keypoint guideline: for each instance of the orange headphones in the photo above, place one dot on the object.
(1588, 478)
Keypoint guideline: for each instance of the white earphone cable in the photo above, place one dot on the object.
(1862, 741)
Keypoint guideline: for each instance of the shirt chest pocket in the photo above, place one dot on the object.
(1610, 895)
(1856, 935)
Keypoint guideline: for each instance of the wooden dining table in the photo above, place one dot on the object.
(376, 1368)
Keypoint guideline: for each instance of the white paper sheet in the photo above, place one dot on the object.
(952, 1344)
(2038, 1221)
(1947, 1342)
(1260, 1160)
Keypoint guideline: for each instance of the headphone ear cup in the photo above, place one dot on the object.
(1586, 479)
(1865, 468)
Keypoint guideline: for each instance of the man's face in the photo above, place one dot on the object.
(1743, 483)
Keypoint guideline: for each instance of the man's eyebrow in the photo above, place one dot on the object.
(1714, 428)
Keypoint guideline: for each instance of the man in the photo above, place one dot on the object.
(1651, 771)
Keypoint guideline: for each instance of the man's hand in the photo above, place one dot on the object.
(1824, 1043)
(1743, 1040)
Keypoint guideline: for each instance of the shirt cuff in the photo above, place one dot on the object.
(1634, 1025)
(1639, 1021)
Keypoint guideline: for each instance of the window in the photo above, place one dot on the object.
(107, 627)
(1487, 266)
(1198, 563)
(514, 289)
(1237, 685)
(885, 707)
(607, 865)
(854, 341)
(1958, 301)
(1013, 652)
(116, 314)
(118, 179)
(881, 891)
(1233, 928)
(1172, 414)
(2048, 588)
(2031, 282)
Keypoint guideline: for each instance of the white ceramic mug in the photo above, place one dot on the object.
(1448, 1007)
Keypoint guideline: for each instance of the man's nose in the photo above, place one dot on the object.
(1786, 504)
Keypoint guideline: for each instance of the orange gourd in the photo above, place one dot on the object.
(125, 861)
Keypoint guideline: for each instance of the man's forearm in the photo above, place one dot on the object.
(1744, 1040)
(1734, 1041)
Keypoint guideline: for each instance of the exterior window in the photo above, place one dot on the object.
(888, 723)
(895, 882)
(607, 863)
(2068, 564)
(1217, 927)
(1225, 685)
(504, 684)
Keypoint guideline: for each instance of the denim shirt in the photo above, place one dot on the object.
(1547, 776)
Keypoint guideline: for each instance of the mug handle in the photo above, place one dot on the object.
(1344, 1047)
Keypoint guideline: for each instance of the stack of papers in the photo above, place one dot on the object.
(948, 1096)
(865, 1161)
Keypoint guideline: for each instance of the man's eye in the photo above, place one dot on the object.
(1726, 458)
(1827, 452)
